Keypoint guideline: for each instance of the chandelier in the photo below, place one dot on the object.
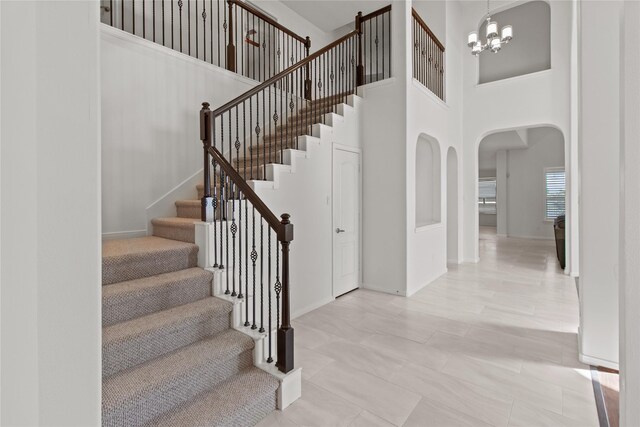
(494, 42)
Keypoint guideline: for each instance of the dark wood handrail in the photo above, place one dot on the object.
(267, 19)
(373, 14)
(282, 74)
(284, 233)
(251, 196)
(427, 29)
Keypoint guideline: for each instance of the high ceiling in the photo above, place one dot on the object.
(329, 15)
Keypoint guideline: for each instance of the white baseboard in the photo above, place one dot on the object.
(595, 361)
(124, 234)
(165, 206)
(515, 236)
(383, 290)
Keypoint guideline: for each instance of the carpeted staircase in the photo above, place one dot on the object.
(170, 356)
(181, 227)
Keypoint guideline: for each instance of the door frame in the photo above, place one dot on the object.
(358, 151)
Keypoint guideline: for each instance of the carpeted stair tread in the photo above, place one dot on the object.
(243, 400)
(130, 259)
(175, 228)
(135, 298)
(137, 395)
(129, 343)
(189, 209)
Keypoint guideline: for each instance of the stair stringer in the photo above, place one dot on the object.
(341, 127)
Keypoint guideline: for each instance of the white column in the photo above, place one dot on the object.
(630, 221)
(599, 181)
(51, 213)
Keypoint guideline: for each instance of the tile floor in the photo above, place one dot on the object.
(492, 343)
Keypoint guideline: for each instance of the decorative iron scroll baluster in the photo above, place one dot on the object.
(204, 30)
(270, 326)
(163, 26)
(290, 101)
(277, 286)
(180, 21)
(254, 258)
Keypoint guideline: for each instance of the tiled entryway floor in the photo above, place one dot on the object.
(493, 343)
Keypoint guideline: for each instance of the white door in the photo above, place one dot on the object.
(346, 221)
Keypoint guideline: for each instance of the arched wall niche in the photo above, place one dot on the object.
(428, 181)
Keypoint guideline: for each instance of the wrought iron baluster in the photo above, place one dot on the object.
(204, 29)
(264, 145)
(269, 331)
(180, 4)
(221, 200)
(261, 276)
(277, 287)
(254, 258)
(144, 19)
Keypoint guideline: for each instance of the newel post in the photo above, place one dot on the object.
(307, 80)
(231, 48)
(206, 207)
(359, 66)
(285, 332)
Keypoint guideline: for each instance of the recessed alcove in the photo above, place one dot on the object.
(428, 181)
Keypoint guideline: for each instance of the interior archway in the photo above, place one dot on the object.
(521, 182)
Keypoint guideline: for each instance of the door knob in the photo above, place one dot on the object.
(339, 230)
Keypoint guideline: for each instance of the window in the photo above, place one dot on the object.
(554, 192)
(487, 196)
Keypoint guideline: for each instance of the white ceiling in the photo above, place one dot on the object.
(329, 15)
(509, 140)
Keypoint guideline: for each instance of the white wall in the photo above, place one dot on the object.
(418, 255)
(384, 194)
(151, 100)
(434, 14)
(151, 97)
(530, 49)
(305, 175)
(629, 224)
(526, 183)
(538, 99)
(50, 213)
(296, 23)
(599, 163)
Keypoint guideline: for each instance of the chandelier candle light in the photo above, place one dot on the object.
(494, 42)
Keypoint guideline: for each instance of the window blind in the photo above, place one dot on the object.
(554, 193)
(487, 195)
